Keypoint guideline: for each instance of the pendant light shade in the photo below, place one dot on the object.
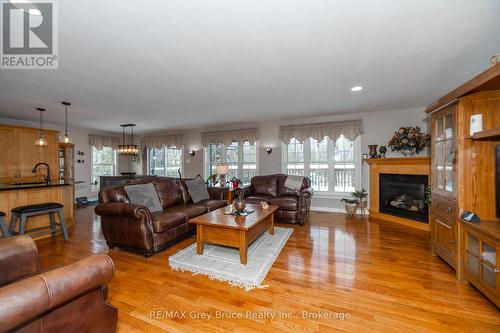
(67, 138)
(41, 138)
(128, 149)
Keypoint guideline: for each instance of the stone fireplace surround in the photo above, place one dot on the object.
(399, 166)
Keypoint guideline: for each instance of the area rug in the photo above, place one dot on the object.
(223, 263)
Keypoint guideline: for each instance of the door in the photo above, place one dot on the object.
(445, 240)
(444, 152)
(8, 157)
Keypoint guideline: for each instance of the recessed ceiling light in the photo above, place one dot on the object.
(357, 88)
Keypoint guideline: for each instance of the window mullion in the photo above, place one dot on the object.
(307, 157)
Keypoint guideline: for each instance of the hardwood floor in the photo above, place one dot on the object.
(382, 277)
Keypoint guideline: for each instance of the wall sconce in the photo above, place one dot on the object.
(191, 153)
(269, 150)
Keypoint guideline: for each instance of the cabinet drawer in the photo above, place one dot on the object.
(443, 208)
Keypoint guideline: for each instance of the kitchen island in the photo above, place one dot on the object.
(19, 194)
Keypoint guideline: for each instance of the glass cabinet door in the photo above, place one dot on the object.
(444, 151)
(481, 261)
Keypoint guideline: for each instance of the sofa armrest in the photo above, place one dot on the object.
(122, 209)
(307, 192)
(217, 193)
(24, 300)
(244, 191)
(305, 196)
(18, 259)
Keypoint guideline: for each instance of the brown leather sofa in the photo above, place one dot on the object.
(67, 299)
(294, 204)
(133, 227)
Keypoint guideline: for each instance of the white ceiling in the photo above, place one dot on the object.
(185, 64)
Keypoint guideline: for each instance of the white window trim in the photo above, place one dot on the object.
(206, 159)
(92, 167)
(148, 162)
(329, 194)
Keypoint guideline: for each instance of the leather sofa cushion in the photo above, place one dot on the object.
(163, 221)
(267, 185)
(169, 192)
(212, 205)
(190, 210)
(114, 194)
(184, 190)
(285, 202)
(258, 198)
(285, 191)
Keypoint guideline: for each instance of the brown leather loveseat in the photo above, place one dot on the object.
(133, 227)
(67, 299)
(294, 204)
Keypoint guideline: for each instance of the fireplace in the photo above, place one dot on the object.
(403, 196)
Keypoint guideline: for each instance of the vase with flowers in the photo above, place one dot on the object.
(409, 140)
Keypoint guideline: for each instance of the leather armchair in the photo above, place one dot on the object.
(294, 205)
(67, 299)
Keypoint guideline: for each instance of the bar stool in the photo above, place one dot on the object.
(3, 227)
(23, 212)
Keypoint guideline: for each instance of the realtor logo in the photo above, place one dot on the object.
(29, 34)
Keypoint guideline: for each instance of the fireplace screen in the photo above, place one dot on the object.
(403, 196)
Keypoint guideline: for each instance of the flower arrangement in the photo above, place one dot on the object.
(409, 139)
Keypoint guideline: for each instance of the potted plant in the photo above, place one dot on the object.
(212, 180)
(409, 140)
(361, 196)
(236, 182)
(350, 205)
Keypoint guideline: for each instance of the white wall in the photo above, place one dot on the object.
(379, 127)
(80, 137)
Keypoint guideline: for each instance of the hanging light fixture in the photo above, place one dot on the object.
(67, 139)
(41, 139)
(128, 149)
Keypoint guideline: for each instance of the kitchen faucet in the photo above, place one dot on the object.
(47, 177)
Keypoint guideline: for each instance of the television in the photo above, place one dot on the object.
(498, 179)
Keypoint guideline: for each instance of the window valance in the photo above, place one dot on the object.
(160, 141)
(349, 128)
(100, 141)
(227, 137)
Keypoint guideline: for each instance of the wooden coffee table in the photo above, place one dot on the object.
(233, 231)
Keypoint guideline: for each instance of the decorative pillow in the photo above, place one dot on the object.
(197, 189)
(144, 194)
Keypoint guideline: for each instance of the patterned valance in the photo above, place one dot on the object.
(227, 137)
(349, 128)
(100, 141)
(160, 141)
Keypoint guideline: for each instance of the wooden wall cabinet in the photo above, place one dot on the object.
(20, 154)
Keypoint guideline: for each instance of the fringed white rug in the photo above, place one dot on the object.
(223, 263)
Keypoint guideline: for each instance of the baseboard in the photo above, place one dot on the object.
(328, 210)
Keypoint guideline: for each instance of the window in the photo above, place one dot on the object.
(103, 164)
(165, 161)
(241, 159)
(331, 166)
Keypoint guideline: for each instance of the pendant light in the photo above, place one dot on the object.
(67, 138)
(41, 139)
(128, 149)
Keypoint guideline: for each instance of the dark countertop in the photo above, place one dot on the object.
(34, 185)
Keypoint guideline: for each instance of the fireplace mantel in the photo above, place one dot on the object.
(395, 165)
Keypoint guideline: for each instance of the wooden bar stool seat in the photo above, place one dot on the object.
(23, 212)
(3, 227)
